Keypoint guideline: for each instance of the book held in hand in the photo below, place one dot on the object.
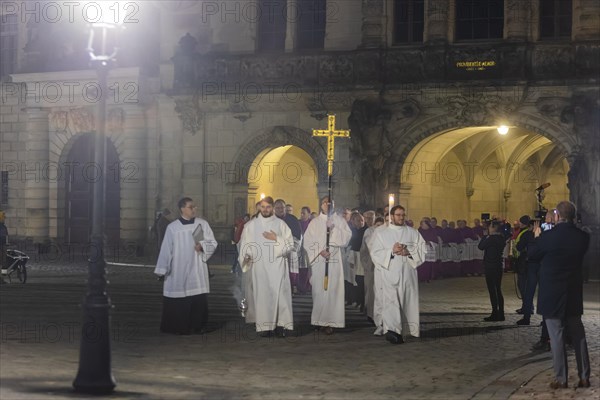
(198, 234)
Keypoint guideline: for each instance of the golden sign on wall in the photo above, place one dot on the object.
(475, 65)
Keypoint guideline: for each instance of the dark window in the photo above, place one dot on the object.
(556, 18)
(4, 187)
(311, 21)
(479, 19)
(272, 25)
(408, 21)
(8, 44)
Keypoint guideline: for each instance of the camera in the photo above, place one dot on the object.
(540, 214)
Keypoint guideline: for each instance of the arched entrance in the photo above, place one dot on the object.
(260, 144)
(286, 172)
(465, 172)
(80, 178)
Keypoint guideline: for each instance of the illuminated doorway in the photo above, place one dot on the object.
(285, 172)
(464, 173)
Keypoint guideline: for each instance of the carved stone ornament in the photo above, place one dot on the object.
(59, 121)
(477, 108)
(552, 107)
(240, 110)
(317, 108)
(189, 114)
(81, 120)
(115, 120)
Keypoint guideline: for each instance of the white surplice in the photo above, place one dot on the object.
(185, 269)
(328, 305)
(271, 293)
(397, 277)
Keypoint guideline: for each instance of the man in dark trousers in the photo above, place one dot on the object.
(493, 244)
(532, 274)
(560, 252)
(520, 252)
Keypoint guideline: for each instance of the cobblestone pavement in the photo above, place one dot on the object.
(458, 356)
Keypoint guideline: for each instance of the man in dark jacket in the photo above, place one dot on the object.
(560, 252)
(493, 244)
(520, 252)
(531, 281)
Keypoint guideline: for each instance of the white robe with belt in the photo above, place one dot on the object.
(271, 298)
(399, 286)
(185, 269)
(328, 305)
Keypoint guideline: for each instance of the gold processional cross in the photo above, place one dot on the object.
(331, 134)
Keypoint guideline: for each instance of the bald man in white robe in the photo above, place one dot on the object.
(266, 241)
(397, 250)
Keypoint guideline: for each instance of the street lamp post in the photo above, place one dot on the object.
(94, 374)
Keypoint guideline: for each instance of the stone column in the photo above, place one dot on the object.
(586, 19)
(373, 23)
(517, 18)
(584, 172)
(436, 21)
(131, 145)
(34, 150)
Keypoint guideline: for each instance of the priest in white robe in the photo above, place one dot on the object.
(397, 250)
(328, 305)
(182, 264)
(265, 244)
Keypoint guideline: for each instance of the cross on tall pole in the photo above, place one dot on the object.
(331, 133)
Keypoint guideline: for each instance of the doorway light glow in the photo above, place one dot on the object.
(502, 129)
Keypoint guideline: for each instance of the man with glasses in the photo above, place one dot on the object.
(188, 244)
(397, 250)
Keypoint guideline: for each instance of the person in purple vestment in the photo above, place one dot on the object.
(424, 271)
(466, 231)
(478, 228)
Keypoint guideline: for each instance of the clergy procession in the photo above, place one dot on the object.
(373, 261)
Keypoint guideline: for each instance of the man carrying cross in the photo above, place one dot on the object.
(325, 236)
(328, 304)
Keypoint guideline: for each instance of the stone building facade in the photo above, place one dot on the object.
(201, 96)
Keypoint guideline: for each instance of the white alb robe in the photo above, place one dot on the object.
(271, 294)
(328, 305)
(185, 269)
(399, 286)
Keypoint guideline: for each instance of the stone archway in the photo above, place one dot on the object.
(78, 181)
(268, 139)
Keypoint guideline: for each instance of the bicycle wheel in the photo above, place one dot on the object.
(21, 273)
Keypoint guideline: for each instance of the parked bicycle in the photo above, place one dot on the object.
(17, 265)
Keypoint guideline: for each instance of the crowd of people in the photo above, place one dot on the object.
(374, 261)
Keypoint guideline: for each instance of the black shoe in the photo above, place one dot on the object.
(542, 345)
(492, 317)
(265, 334)
(280, 332)
(393, 337)
(584, 383)
(519, 311)
(523, 321)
